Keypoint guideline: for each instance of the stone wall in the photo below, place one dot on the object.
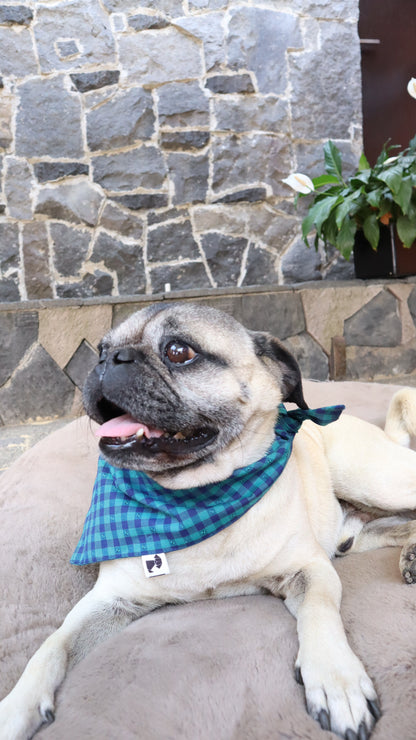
(145, 143)
(340, 330)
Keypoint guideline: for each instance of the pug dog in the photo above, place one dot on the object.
(186, 399)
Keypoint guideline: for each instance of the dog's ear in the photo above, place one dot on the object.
(282, 364)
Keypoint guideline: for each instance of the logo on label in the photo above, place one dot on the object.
(155, 565)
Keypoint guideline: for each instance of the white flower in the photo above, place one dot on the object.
(390, 160)
(411, 87)
(300, 183)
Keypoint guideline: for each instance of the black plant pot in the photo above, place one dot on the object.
(391, 259)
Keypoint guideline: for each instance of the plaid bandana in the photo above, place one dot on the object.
(132, 515)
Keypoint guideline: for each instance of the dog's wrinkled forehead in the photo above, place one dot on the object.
(213, 329)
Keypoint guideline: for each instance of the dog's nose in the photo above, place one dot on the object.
(124, 355)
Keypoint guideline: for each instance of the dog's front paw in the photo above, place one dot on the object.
(408, 563)
(340, 697)
(20, 719)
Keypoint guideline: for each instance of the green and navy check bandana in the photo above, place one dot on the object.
(132, 515)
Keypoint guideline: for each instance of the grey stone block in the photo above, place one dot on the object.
(178, 56)
(261, 267)
(411, 302)
(85, 23)
(143, 201)
(226, 84)
(312, 360)
(67, 49)
(121, 121)
(251, 113)
(141, 167)
(18, 57)
(81, 363)
(376, 363)
(20, 15)
(36, 260)
(154, 217)
(180, 277)
(208, 28)
(170, 8)
(9, 288)
(48, 120)
(224, 256)
(377, 324)
(184, 139)
(300, 263)
(18, 187)
(98, 283)
(125, 259)
(38, 389)
(70, 247)
(9, 247)
(140, 22)
(258, 39)
(18, 331)
(76, 202)
(281, 313)
(86, 81)
(174, 240)
(251, 195)
(247, 159)
(189, 174)
(50, 171)
(183, 104)
(114, 218)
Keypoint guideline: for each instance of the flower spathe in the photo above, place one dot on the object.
(411, 87)
(299, 182)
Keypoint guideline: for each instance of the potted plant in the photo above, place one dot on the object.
(372, 213)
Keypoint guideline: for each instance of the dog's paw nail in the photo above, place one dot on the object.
(48, 716)
(323, 719)
(351, 735)
(374, 708)
(363, 732)
(298, 675)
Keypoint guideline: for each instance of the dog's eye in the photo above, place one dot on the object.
(179, 353)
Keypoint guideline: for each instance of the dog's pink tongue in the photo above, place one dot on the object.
(125, 426)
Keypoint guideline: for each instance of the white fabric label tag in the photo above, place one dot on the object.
(155, 565)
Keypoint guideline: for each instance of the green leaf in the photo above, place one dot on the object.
(371, 228)
(374, 197)
(392, 177)
(325, 180)
(363, 163)
(345, 238)
(333, 161)
(406, 230)
(321, 210)
(346, 208)
(404, 194)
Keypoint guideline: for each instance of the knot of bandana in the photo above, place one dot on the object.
(132, 515)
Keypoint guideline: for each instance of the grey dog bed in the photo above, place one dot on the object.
(220, 669)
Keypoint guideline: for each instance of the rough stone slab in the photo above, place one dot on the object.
(50, 171)
(251, 113)
(280, 313)
(121, 121)
(20, 15)
(48, 120)
(174, 240)
(68, 49)
(86, 322)
(168, 7)
(17, 54)
(312, 78)
(70, 247)
(86, 81)
(224, 256)
(6, 117)
(18, 187)
(178, 56)
(184, 139)
(233, 220)
(338, 359)
(377, 324)
(189, 174)
(141, 167)
(18, 331)
(261, 267)
(125, 259)
(300, 263)
(39, 377)
(143, 201)
(36, 260)
(258, 39)
(9, 246)
(207, 4)
(313, 362)
(85, 23)
(411, 302)
(170, 214)
(374, 363)
(210, 30)
(180, 277)
(247, 160)
(117, 219)
(9, 288)
(183, 104)
(81, 363)
(77, 202)
(340, 303)
(402, 291)
(141, 22)
(336, 9)
(97, 283)
(334, 266)
(227, 84)
(251, 195)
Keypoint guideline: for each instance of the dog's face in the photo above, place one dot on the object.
(178, 386)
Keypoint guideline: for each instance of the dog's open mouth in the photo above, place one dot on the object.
(124, 432)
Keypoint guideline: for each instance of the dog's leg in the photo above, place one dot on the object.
(32, 701)
(339, 693)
